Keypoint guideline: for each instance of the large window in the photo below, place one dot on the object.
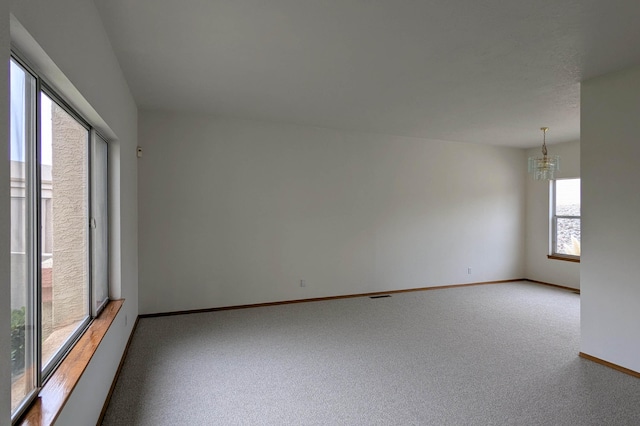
(565, 202)
(59, 232)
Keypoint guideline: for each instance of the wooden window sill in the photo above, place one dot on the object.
(55, 393)
(566, 259)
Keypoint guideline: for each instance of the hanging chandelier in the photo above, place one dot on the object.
(545, 167)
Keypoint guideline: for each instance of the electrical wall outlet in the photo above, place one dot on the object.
(303, 283)
(469, 271)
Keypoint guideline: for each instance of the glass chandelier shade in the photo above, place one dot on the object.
(545, 167)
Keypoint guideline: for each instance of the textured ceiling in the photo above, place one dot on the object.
(491, 71)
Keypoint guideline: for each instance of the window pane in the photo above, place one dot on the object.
(100, 223)
(23, 377)
(568, 236)
(64, 225)
(568, 197)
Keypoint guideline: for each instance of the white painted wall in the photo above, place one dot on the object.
(537, 266)
(5, 221)
(237, 212)
(65, 41)
(610, 281)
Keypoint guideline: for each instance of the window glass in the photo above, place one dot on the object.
(568, 197)
(566, 217)
(64, 191)
(59, 267)
(22, 163)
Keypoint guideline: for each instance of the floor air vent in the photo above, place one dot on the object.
(379, 297)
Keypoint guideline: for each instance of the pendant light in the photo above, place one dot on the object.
(545, 167)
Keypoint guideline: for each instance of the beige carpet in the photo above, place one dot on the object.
(495, 354)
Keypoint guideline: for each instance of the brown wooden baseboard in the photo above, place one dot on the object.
(609, 364)
(115, 378)
(321, 299)
(575, 290)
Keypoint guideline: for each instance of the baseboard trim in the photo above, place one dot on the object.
(575, 290)
(115, 378)
(321, 299)
(609, 364)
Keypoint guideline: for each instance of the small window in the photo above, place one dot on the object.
(565, 218)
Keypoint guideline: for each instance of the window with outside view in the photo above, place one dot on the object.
(566, 218)
(59, 263)
(23, 365)
(64, 187)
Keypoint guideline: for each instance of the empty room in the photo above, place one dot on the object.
(295, 212)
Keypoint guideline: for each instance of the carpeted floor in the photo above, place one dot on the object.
(500, 354)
